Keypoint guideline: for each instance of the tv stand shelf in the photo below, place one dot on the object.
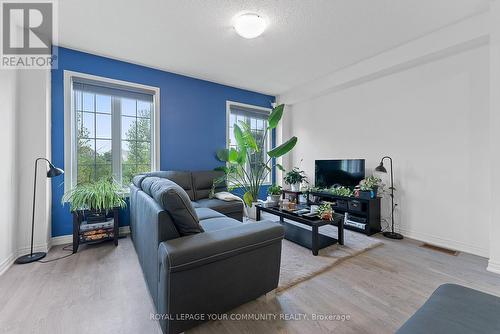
(368, 209)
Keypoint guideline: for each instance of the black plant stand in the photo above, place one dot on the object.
(78, 234)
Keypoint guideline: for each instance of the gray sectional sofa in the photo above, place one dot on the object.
(197, 257)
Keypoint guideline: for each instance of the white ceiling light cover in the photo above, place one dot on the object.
(249, 25)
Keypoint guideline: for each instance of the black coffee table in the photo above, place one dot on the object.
(311, 239)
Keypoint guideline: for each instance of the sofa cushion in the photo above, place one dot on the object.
(219, 223)
(221, 206)
(182, 178)
(147, 183)
(455, 309)
(172, 198)
(137, 180)
(203, 181)
(206, 213)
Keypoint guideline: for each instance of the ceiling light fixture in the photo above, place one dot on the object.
(249, 25)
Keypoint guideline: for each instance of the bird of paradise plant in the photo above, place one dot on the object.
(250, 179)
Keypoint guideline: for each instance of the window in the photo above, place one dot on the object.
(112, 129)
(256, 118)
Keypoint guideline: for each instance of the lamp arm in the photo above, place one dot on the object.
(50, 163)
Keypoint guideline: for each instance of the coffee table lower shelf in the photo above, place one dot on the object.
(308, 238)
(305, 237)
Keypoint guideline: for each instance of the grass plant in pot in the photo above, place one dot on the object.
(294, 178)
(95, 199)
(274, 193)
(369, 187)
(239, 173)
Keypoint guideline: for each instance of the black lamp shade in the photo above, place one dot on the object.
(381, 168)
(54, 171)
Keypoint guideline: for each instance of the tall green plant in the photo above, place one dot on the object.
(102, 195)
(250, 180)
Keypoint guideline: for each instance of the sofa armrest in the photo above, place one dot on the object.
(196, 250)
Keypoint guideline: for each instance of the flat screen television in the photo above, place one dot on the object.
(345, 173)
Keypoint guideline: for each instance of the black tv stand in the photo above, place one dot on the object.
(367, 210)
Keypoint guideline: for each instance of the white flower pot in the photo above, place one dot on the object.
(295, 187)
(273, 198)
(252, 212)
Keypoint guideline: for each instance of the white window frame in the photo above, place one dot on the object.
(264, 110)
(70, 126)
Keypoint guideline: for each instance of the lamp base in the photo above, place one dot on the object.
(30, 258)
(393, 235)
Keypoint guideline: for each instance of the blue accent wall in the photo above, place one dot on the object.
(192, 118)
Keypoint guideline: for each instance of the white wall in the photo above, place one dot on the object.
(33, 139)
(494, 263)
(433, 120)
(8, 175)
(25, 134)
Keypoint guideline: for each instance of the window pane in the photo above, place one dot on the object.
(143, 169)
(88, 102)
(78, 100)
(103, 103)
(103, 126)
(144, 109)
(85, 173)
(143, 153)
(79, 124)
(128, 107)
(95, 131)
(128, 152)
(103, 171)
(253, 123)
(88, 130)
(143, 129)
(261, 124)
(128, 172)
(257, 126)
(129, 128)
(85, 152)
(232, 139)
(103, 151)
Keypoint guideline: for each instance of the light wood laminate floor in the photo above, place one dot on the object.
(101, 290)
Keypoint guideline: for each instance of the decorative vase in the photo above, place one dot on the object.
(365, 194)
(295, 187)
(273, 198)
(252, 211)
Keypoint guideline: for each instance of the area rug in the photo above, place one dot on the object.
(298, 264)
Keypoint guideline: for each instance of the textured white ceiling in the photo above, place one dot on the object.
(305, 39)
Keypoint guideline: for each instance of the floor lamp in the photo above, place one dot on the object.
(32, 257)
(381, 168)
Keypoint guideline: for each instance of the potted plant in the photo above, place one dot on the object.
(325, 211)
(96, 199)
(341, 191)
(274, 193)
(369, 187)
(246, 177)
(294, 178)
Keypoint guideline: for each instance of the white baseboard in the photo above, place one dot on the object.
(493, 267)
(9, 261)
(68, 238)
(446, 243)
(55, 241)
(5, 264)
